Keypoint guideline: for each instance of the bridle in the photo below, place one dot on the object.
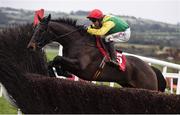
(50, 32)
(63, 36)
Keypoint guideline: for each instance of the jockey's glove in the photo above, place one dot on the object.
(85, 27)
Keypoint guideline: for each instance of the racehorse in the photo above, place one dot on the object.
(23, 73)
(82, 58)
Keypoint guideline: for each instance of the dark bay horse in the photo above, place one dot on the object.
(24, 75)
(82, 58)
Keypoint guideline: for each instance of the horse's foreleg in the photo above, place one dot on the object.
(61, 72)
(66, 63)
(50, 69)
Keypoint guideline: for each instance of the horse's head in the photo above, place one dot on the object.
(63, 31)
(41, 34)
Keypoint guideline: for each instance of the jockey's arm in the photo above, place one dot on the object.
(103, 30)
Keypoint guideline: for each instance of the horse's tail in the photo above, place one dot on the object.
(161, 79)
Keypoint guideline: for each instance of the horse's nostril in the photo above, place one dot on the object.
(32, 46)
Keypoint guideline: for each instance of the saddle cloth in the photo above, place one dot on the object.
(121, 59)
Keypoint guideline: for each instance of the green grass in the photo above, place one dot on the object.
(6, 108)
(51, 54)
(107, 84)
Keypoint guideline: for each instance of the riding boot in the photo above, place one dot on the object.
(112, 52)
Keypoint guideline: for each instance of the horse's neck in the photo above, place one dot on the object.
(60, 29)
(74, 43)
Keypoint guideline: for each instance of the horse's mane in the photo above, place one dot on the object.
(69, 21)
(72, 22)
(13, 44)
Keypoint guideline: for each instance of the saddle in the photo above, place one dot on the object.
(121, 58)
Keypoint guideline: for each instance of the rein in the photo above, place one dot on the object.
(64, 35)
(69, 33)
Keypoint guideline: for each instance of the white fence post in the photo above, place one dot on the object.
(164, 70)
(19, 112)
(111, 84)
(94, 82)
(60, 50)
(178, 85)
(1, 90)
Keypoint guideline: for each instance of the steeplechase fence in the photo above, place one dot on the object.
(174, 87)
(170, 77)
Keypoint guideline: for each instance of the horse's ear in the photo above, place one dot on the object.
(49, 17)
(39, 18)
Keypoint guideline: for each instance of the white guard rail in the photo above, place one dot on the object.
(164, 64)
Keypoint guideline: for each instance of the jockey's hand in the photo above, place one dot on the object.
(85, 27)
(92, 26)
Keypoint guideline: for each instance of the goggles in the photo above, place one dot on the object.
(93, 19)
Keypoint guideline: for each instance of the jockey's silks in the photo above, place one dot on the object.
(110, 25)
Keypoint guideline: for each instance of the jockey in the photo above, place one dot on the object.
(112, 28)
